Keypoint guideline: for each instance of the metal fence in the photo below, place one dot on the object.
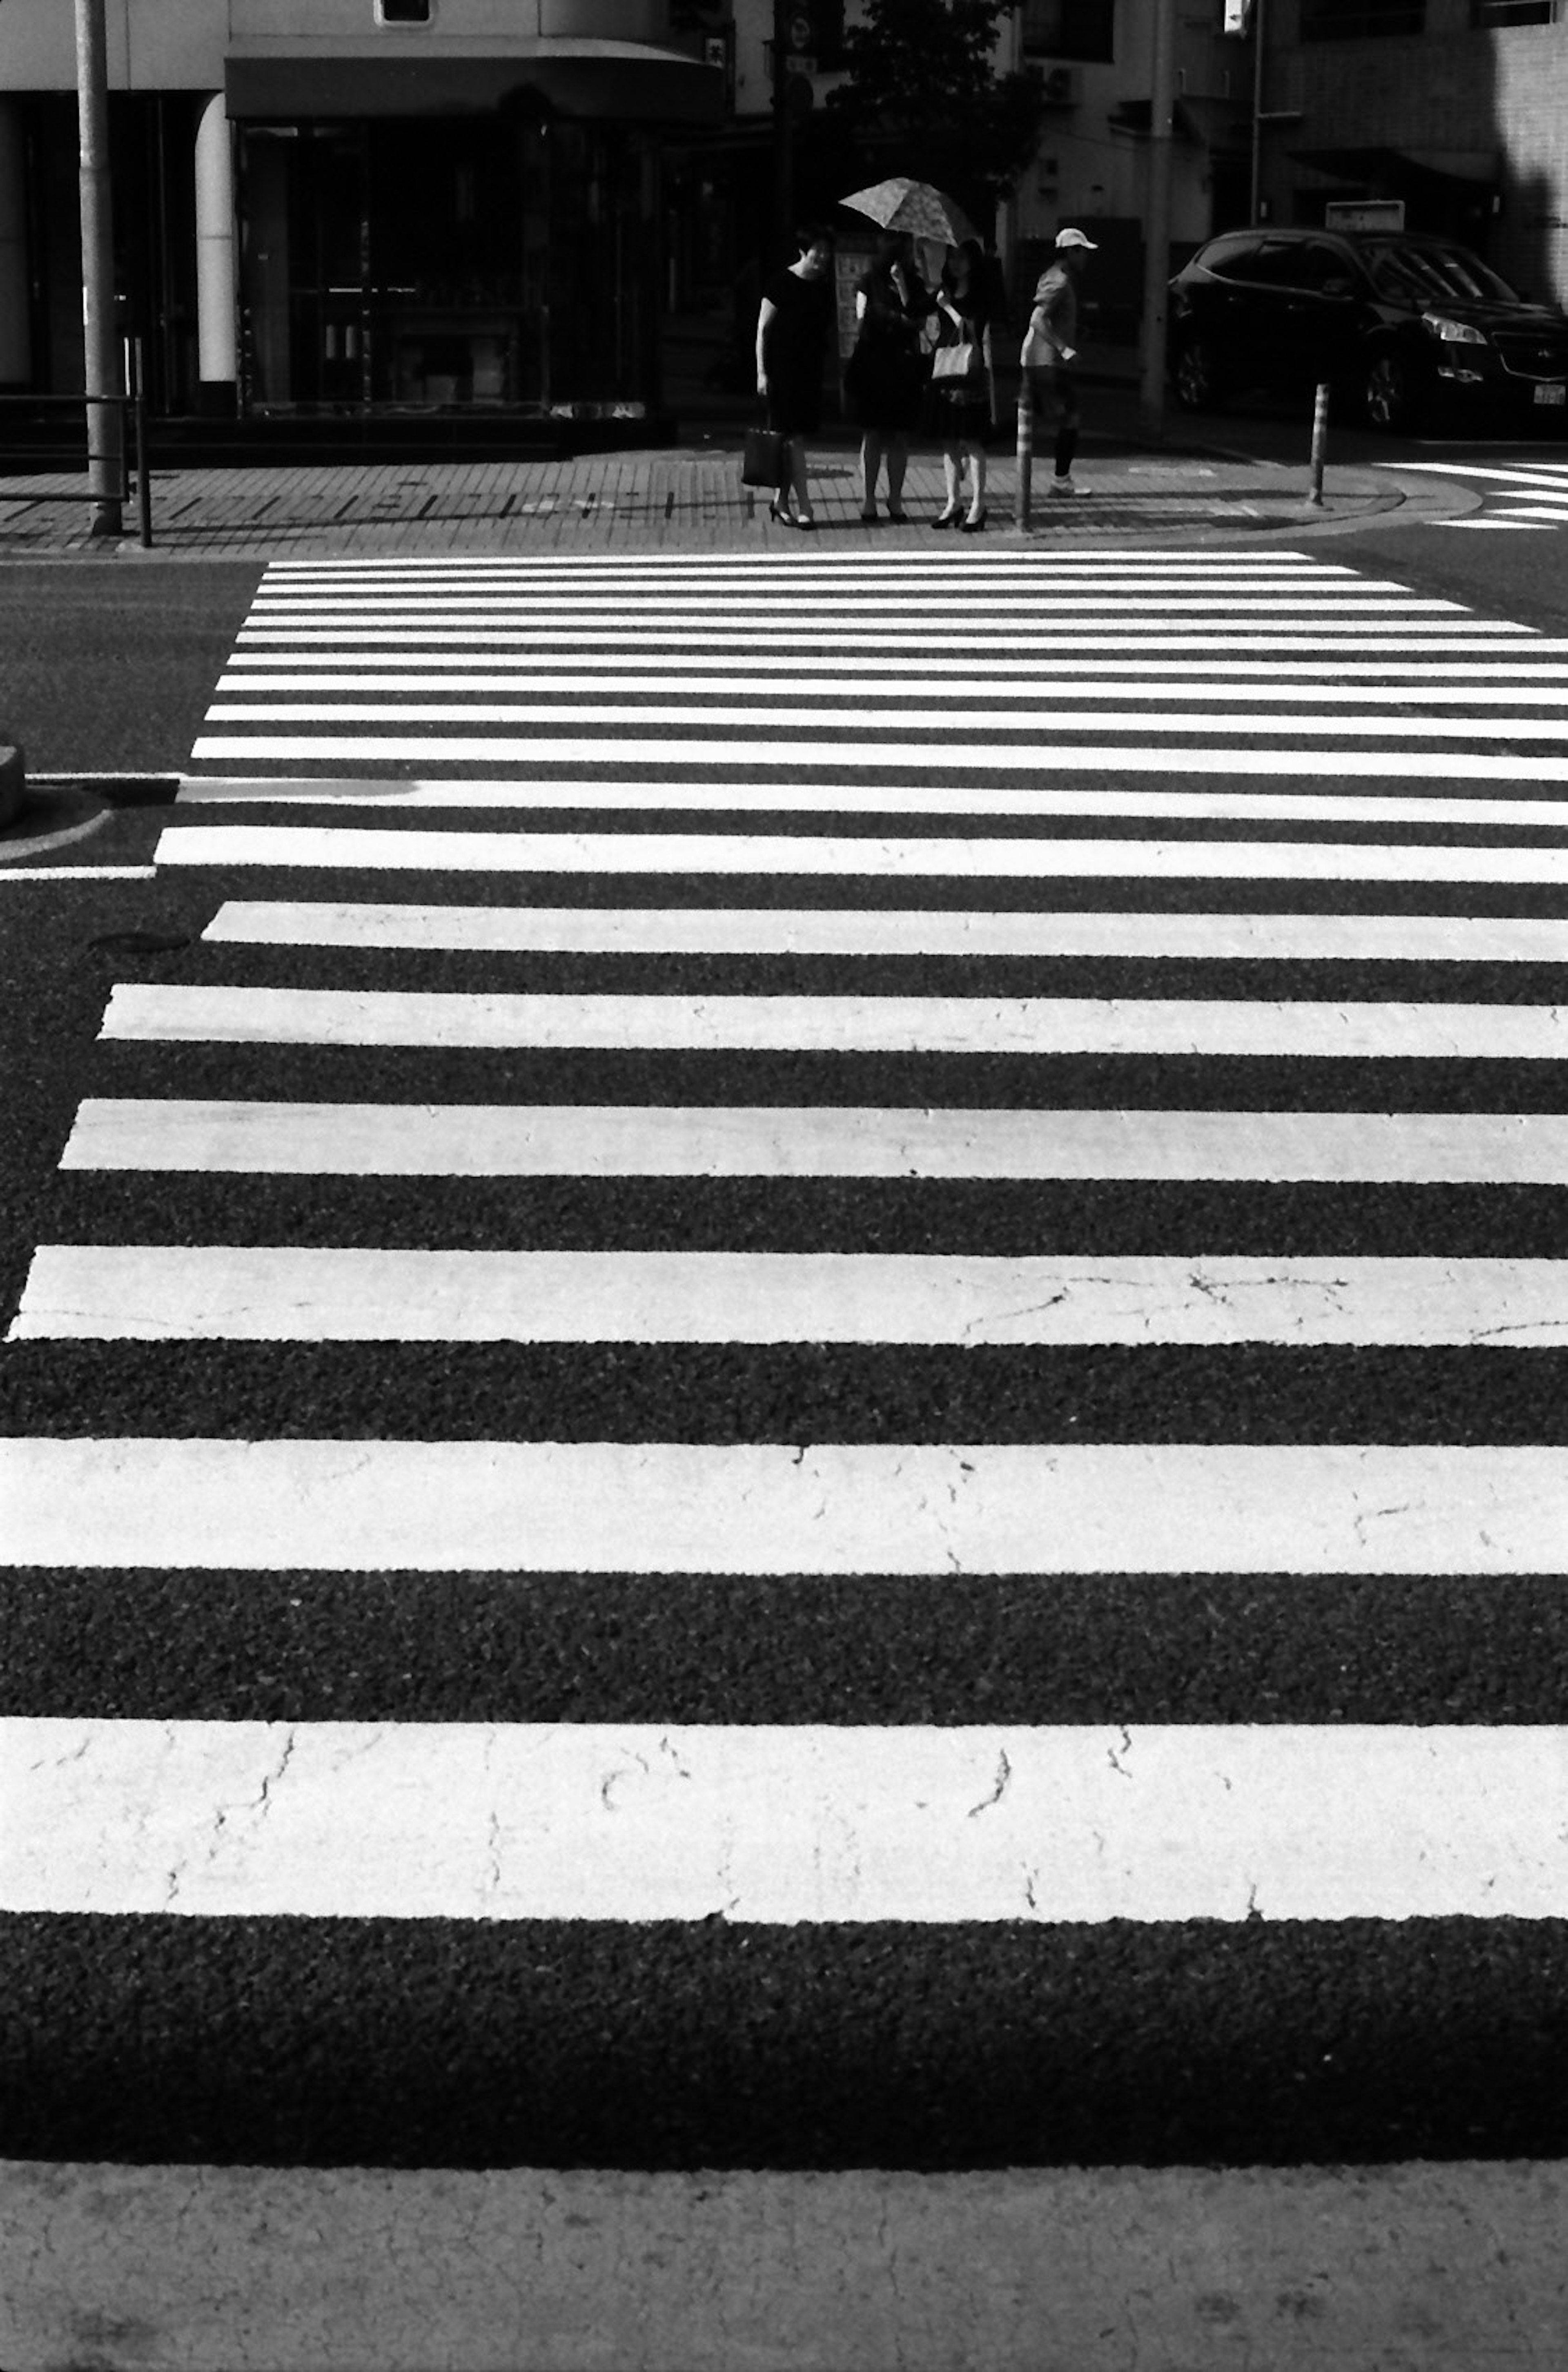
(134, 475)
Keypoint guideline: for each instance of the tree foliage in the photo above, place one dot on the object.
(922, 97)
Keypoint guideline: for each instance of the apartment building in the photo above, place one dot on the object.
(353, 206)
(1457, 107)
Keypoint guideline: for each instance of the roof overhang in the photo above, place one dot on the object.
(626, 81)
(1405, 165)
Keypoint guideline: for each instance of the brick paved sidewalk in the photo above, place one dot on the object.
(682, 498)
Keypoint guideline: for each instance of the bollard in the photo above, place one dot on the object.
(1319, 440)
(1026, 448)
(139, 424)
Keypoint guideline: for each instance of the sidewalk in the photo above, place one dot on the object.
(688, 497)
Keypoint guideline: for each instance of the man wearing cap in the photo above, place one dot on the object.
(1050, 347)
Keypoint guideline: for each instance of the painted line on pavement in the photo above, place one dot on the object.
(149, 1132)
(891, 931)
(344, 847)
(776, 1826)
(286, 1293)
(660, 1508)
(1451, 690)
(877, 798)
(174, 1012)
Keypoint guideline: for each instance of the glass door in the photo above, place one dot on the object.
(304, 251)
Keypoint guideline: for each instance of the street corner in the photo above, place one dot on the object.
(54, 814)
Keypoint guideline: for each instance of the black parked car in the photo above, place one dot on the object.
(1395, 321)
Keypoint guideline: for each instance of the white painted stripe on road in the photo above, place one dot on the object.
(891, 931)
(76, 873)
(718, 631)
(1450, 692)
(530, 752)
(1510, 476)
(638, 1506)
(786, 595)
(340, 848)
(825, 717)
(259, 669)
(166, 1011)
(870, 798)
(779, 1825)
(811, 1141)
(155, 1293)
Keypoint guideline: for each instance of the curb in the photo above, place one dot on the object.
(13, 778)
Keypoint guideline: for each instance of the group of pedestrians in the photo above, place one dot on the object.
(923, 362)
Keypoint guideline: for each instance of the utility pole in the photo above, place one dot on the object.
(1255, 213)
(1157, 223)
(106, 423)
(784, 133)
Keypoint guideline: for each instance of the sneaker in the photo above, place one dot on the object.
(1067, 486)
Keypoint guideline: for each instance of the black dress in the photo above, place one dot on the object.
(794, 348)
(958, 410)
(886, 377)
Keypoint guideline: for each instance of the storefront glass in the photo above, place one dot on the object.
(502, 261)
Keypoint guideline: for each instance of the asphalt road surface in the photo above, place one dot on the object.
(784, 1383)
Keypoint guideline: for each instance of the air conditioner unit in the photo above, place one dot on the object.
(1059, 85)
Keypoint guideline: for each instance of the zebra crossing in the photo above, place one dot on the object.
(1522, 498)
(827, 1378)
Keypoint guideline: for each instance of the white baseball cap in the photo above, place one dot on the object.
(1076, 239)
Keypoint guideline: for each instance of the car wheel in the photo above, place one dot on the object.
(1392, 399)
(1197, 383)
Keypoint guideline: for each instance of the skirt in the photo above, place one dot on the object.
(957, 412)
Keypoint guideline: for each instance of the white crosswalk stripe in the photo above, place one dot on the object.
(1530, 499)
(1008, 887)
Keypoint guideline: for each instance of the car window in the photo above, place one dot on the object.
(1317, 266)
(1234, 261)
(1425, 273)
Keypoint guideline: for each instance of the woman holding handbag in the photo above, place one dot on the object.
(794, 322)
(885, 380)
(963, 387)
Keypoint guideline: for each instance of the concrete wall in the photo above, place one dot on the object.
(181, 44)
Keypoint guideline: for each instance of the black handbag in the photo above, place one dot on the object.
(761, 464)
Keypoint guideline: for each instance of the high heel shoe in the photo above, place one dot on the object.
(974, 524)
(945, 518)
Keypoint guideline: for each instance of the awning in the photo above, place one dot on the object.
(1403, 167)
(626, 81)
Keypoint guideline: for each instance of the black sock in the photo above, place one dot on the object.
(1066, 446)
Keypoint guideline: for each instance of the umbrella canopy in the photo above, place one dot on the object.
(917, 207)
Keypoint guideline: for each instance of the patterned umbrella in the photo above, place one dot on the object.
(915, 206)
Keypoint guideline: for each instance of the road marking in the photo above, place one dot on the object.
(340, 848)
(167, 1011)
(281, 1293)
(872, 798)
(1452, 690)
(262, 669)
(1440, 634)
(76, 872)
(889, 931)
(776, 1826)
(811, 1141)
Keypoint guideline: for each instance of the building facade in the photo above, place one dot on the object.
(1457, 107)
(354, 205)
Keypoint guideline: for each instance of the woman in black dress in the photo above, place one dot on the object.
(963, 409)
(887, 372)
(794, 322)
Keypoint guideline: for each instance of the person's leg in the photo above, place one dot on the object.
(870, 463)
(1066, 397)
(950, 505)
(976, 452)
(798, 476)
(897, 462)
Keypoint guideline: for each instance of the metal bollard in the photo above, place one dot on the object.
(1319, 440)
(1026, 449)
(139, 427)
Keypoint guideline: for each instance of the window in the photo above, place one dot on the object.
(1360, 20)
(403, 12)
(1516, 12)
(1234, 259)
(1071, 28)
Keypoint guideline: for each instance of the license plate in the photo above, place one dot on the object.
(1551, 394)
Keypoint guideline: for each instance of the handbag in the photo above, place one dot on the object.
(761, 464)
(953, 362)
